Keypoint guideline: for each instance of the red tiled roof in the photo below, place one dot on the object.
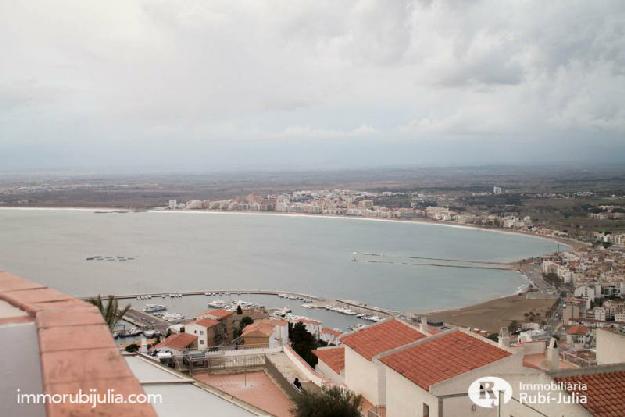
(331, 331)
(333, 357)
(217, 314)
(577, 330)
(605, 393)
(443, 357)
(178, 341)
(381, 337)
(76, 350)
(208, 323)
(259, 329)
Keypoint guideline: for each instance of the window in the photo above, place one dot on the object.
(201, 342)
(202, 332)
(426, 410)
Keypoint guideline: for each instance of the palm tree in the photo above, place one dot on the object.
(330, 402)
(110, 311)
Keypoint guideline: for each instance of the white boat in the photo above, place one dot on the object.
(217, 304)
(283, 311)
(173, 317)
(153, 308)
(149, 333)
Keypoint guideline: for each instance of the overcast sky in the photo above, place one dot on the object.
(222, 85)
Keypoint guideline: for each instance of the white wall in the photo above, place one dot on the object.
(610, 347)
(326, 371)
(406, 399)
(201, 332)
(364, 377)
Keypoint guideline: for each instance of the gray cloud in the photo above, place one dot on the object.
(192, 76)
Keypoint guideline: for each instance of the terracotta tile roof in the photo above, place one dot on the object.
(178, 341)
(443, 357)
(605, 393)
(76, 350)
(577, 330)
(259, 328)
(208, 323)
(539, 361)
(218, 314)
(381, 337)
(333, 357)
(331, 331)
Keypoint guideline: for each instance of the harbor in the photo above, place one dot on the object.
(155, 312)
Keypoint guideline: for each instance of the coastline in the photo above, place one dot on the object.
(569, 243)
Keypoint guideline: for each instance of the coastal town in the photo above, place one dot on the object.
(354, 208)
(575, 294)
(256, 352)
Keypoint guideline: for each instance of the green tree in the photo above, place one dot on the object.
(239, 310)
(133, 347)
(303, 342)
(109, 309)
(245, 321)
(329, 402)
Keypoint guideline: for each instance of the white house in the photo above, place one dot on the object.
(331, 363)
(424, 378)
(204, 329)
(362, 374)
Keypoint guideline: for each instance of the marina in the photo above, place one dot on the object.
(343, 314)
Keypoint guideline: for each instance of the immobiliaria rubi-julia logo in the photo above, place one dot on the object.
(485, 391)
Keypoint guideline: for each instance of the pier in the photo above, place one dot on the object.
(219, 292)
(147, 321)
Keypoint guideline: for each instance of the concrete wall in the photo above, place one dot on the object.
(610, 347)
(274, 373)
(364, 377)
(406, 399)
(329, 373)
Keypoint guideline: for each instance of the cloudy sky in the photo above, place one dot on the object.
(222, 85)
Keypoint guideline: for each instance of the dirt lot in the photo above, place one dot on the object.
(494, 314)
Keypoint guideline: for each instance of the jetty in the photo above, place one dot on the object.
(215, 292)
(146, 321)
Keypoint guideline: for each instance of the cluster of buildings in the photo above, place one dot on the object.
(59, 344)
(407, 371)
(339, 202)
(593, 272)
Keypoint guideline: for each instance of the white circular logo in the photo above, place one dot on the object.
(485, 391)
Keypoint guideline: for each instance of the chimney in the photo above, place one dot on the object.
(553, 354)
(423, 327)
(504, 337)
